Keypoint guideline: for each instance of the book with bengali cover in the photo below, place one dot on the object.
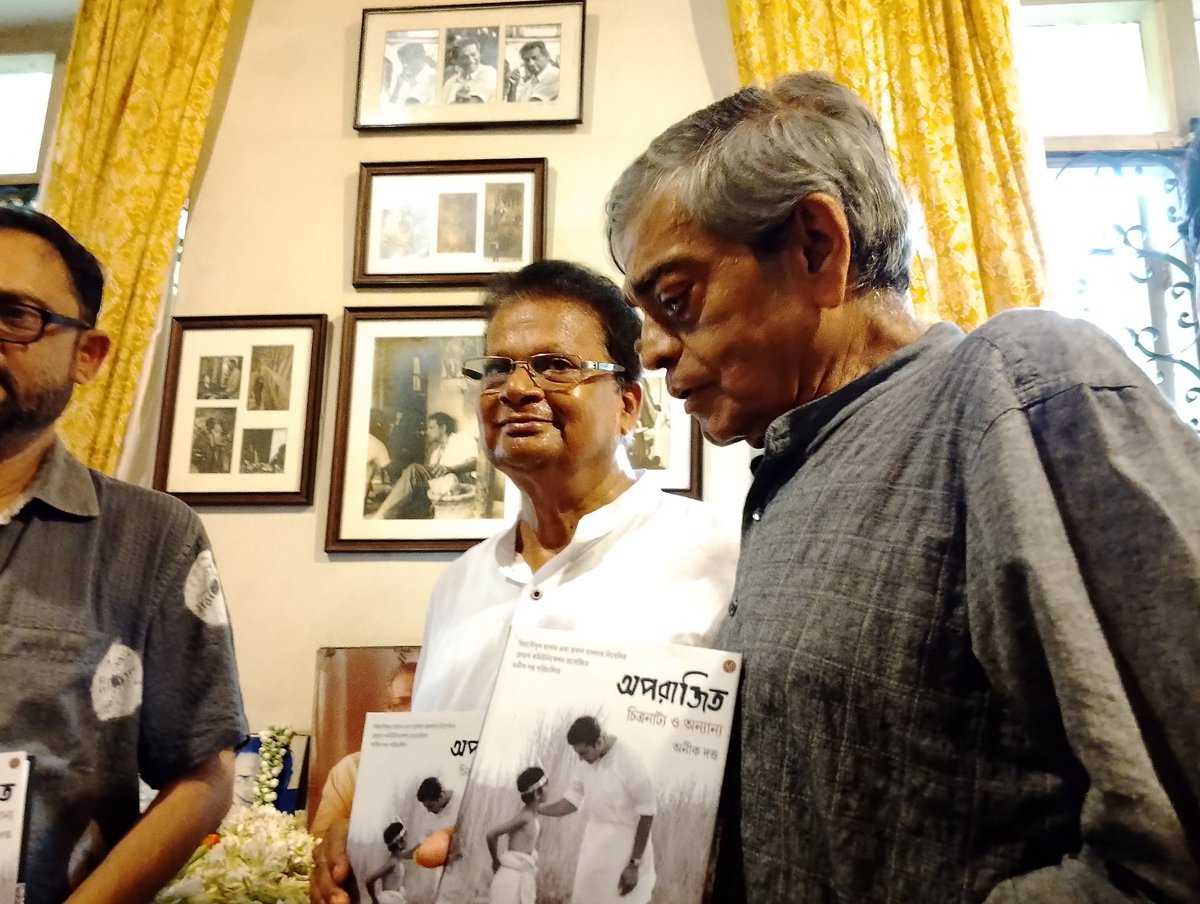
(411, 774)
(584, 746)
(14, 804)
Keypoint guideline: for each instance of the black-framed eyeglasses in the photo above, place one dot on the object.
(23, 323)
(549, 371)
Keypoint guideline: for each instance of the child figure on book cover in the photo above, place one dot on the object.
(390, 876)
(515, 879)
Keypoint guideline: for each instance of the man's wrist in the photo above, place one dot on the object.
(635, 861)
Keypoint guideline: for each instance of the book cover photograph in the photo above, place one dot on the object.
(351, 682)
(14, 789)
(411, 774)
(597, 776)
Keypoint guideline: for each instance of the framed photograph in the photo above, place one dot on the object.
(454, 223)
(351, 682)
(467, 66)
(239, 416)
(666, 442)
(290, 792)
(409, 472)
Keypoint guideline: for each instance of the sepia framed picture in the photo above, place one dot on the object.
(666, 442)
(453, 223)
(469, 66)
(409, 471)
(240, 409)
(351, 682)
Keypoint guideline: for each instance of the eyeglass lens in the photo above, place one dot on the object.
(19, 321)
(556, 370)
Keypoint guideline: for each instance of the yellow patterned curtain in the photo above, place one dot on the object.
(139, 87)
(942, 77)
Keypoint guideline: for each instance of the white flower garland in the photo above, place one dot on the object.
(258, 854)
(275, 743)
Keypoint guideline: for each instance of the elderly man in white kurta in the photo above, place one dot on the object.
(612, 788)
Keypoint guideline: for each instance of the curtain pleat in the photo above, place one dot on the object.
(139, 87)
(941, 75)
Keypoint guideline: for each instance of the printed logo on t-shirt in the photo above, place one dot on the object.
(202, 591)
(117, 684)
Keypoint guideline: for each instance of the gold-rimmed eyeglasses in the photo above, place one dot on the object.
(550, 371)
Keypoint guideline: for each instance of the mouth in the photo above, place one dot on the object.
(685, 394)
(522, 425)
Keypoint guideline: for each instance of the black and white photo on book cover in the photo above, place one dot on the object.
(14, 790)
(597, 776)
(411, 776)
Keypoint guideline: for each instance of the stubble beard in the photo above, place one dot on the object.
(26, 415)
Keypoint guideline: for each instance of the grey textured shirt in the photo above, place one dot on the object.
(969, 604)
(115, 657)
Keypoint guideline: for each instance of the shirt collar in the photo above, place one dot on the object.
(62, 482)
(796, 429)
(591, 526)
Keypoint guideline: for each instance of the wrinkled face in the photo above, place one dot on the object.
(36, 380)
(723, 323)
(589, 753)
(535, 60)
(468, 57)
(526, 428)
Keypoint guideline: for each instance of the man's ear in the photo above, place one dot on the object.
(817, 246)
(631, 397)
(90, 352)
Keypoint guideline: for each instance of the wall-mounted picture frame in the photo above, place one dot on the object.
(470, 66)
(666, 442)
(240, 409)
(292, 787)
(409, 471)
(450, 223)
(351, 682)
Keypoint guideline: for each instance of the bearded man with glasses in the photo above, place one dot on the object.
(596, 548)
(106, 590)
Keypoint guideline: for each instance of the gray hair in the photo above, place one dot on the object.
(739, 166)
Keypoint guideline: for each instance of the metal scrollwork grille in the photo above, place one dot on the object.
(1118, 260)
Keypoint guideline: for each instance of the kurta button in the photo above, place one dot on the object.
(535, 594)
(756, 515)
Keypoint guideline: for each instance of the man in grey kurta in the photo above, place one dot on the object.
(115, 650)
(969, 591)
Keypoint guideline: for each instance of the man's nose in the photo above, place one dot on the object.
(520, 383)
(657, 348)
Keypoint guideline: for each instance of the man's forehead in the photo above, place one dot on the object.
(30, 265)
(660, 233)
(534, 317)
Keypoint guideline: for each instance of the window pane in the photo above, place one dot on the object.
(1117, 260)
(1087, 80)
(24, 95)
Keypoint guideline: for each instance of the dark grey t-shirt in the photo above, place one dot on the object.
(969, 604)
(115, 658)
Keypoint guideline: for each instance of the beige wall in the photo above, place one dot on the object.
(271, 232)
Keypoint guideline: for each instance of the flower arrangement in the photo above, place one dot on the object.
(258, 853)
(275, 741)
